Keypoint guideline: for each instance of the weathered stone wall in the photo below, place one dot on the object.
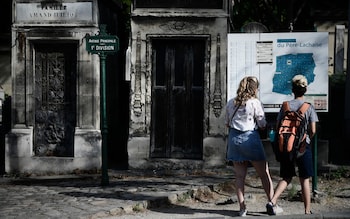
(149, 24)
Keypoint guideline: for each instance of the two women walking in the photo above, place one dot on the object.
(244, 116)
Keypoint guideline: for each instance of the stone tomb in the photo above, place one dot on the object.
(55, 92)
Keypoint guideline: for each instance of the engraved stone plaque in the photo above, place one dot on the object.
(54, 12)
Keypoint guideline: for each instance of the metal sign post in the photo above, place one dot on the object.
(103, 44)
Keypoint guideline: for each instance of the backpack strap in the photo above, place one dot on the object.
(303, 108)
(285, 106)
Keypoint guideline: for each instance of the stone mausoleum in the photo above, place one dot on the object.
(166, 87)
(55, 90)
(178, 83)
(174, 86)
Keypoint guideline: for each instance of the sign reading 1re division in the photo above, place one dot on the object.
(102, 44)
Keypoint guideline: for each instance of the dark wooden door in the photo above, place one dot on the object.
(55, 99)
(177, 98)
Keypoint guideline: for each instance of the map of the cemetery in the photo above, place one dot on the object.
(289, 65)
(274, 59)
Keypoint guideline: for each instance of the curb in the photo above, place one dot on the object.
(330, 215)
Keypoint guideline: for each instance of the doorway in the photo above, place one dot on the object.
(54, 99)
(177, 98)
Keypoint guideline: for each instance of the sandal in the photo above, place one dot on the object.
(309, 213)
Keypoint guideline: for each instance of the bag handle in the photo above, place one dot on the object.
(235, 112)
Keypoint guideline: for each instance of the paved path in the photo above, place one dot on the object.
(83, 197)
(129, 192)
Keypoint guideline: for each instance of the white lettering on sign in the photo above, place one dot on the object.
(94, 40)
(105, 48)
(101, 40)
(107, 41)
(101, 44)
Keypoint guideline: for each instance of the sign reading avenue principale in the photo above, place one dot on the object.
(102, 44)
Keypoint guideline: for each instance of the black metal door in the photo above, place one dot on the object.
(177, 98)
(55, 99)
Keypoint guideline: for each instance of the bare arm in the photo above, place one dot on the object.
(312, 129)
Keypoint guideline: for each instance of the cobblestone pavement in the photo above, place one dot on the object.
(133, 194)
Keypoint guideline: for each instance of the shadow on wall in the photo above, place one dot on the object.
(333, 127)
(332, 124)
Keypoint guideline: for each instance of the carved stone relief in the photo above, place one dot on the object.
(137, 100)
(178, 26)
(217, 104)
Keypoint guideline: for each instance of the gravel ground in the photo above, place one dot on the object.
(162, 194)
(332, 195)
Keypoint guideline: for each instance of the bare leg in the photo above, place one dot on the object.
(262, 169)
(281, 186)
(240, 169)
(306, 194)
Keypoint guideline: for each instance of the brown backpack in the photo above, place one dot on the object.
(292, 131)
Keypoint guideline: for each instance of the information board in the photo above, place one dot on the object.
(275, 58)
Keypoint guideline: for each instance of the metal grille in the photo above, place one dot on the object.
(54, 104)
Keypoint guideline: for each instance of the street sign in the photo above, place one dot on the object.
(102, 44)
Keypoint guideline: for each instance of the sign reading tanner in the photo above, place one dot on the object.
(102, 43)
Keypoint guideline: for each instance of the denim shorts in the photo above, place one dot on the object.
(304, 164)
(245, 146)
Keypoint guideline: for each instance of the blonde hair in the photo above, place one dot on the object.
(246, 90)
(299, 85)
(299, 80)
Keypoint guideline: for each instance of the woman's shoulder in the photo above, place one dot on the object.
(253, 100)
(230, 101)
(253, 103)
